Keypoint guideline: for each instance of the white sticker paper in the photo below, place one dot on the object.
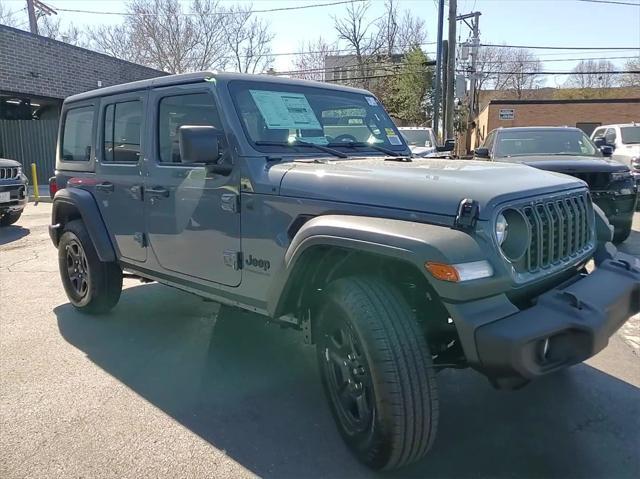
(285, 110)
(371, 101)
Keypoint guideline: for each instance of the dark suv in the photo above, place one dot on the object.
(13, 191)
(569, 151)
(254, 192)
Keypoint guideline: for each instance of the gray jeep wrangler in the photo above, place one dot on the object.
(299, 201)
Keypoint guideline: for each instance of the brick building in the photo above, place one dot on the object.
(586, 114)
(36, 74)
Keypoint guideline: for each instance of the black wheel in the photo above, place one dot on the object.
(376, 371)
(622, 234)
(92, 286)
(10, 218)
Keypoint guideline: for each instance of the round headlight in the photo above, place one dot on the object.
(502, 228)
(515, 244)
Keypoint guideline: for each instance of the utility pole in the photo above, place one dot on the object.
(473, 47)
(33, 22)
(445, 82)
(435, 123)
(451, 71)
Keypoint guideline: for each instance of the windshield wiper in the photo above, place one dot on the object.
(354, 144)
(337, 153)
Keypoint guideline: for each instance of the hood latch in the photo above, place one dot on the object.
(467, 217)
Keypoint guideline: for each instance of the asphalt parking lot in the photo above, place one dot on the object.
(154, 390)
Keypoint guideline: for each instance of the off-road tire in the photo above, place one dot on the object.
(621, 235)
(103, 279)
(10, 218)
(396, 360)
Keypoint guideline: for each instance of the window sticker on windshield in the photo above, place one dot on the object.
(285, 110)
(393, 138)
(371, 101)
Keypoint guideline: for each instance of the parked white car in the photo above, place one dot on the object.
(421, 139)
(625, 141)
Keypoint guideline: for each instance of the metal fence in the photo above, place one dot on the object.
(30, 141)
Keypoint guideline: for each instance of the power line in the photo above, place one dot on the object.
(551, 47)
(612, 2)
(268, 10)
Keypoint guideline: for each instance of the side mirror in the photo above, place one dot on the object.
(199, 144)
(481, 153)
(449, 145)
(606, 150)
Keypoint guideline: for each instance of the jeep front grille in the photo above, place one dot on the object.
(8, 173)
(560, 229)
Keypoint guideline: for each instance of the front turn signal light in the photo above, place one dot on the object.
(459, 272)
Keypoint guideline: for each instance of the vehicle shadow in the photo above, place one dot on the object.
(12, 233)
(252, 390)
(632, 244)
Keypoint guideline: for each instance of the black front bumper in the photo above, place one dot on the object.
(567, 325)
(17, 196)
(617, 207)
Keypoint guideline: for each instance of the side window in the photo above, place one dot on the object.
(194, 109)
(122, 126)
(610, 136)
(598, 132)
(78, 130)
(488, 143)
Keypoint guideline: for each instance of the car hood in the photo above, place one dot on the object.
(569, 164)
(6, 163)
(422, 150)
(430, 186)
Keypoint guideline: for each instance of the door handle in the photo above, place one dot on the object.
(158, 191)
(106, 187)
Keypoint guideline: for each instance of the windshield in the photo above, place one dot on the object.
(544, 142)
(416, 137)
(630, 134)
(278, 116)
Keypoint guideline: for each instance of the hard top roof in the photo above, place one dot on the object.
(195, 77)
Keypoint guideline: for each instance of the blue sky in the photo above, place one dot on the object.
(523, 22)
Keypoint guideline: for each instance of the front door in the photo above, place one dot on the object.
(193, 219)
(119, 151)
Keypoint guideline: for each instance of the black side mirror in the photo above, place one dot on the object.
(481, 153)
(606, 150)
(449, 145)
(599, 141)
(201, 145)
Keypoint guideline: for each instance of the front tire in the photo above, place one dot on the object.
(377, 372)
(92, 286)
(10, 218)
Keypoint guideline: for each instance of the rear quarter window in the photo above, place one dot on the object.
(77, 134)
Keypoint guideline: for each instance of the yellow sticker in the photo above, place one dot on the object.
(390, 132)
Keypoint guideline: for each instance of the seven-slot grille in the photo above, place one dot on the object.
(560, 229)
(8, 173)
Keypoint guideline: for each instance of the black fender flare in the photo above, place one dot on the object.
(413, 243)
(85, 204)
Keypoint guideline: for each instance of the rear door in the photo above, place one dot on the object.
(118, 190)
(193, 217)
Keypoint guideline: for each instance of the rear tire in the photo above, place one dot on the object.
(10, 218)
(92, 286)
(377, 372)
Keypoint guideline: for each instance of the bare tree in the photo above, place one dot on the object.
(115, 40)
(8, 17)
(505, 68)
(584, 77)
(164, 35)
(360, 35)
(399, 32)
(523, 71)
(53, 28)
(631, 79)
(248, 40)
(310, 62)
